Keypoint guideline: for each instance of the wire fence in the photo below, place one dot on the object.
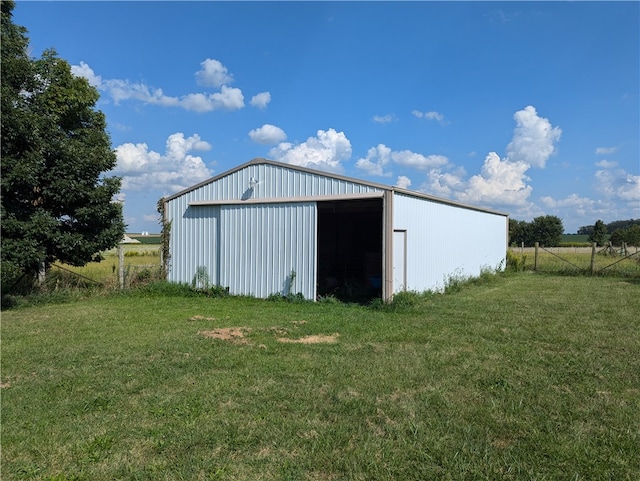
(120, 268)
(622, 260)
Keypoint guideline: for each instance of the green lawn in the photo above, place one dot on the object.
(524, 376)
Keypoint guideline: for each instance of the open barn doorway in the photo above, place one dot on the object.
(350, 249)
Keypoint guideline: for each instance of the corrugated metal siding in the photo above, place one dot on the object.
(194, 242)
(445, 241)
(211, 236)
(260, 245)
(273, 181)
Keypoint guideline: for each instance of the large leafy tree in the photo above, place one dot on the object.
(546, 230)
(519, 232)
(630, 236)
(599, 233)
(57, 202)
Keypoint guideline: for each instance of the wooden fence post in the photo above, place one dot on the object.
(593, 258)
(535, 257)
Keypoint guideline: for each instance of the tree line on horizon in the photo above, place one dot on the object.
(611, 226)
(618, 232)
(547, 231)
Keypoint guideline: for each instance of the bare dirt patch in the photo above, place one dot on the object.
(233, 334)
(202, 318)
(317, 339)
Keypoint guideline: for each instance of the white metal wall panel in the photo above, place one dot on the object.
(445, 241)
(260, 245)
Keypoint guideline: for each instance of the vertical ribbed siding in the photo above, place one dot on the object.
(260, 245)
(194, 242)
(274, 181)
(445, 241)
(252, 249)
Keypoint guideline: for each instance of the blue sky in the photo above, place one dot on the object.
(526, 108)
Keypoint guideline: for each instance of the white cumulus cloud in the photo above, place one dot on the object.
(534, 138)
(83, 70)
(403, 182)
(268, 135)
(504, 181)
(213, 74)
(579, 204)
(261, 100)
(326, 151)
(408, 158)
(380, 157)
(376, 160)
(445, 184)
(501, 182)
(228, 98)
(177, 169)
(620, 185)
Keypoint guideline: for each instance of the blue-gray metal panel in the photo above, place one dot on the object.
(445, 241)
(194, 243)
(273, 181)
(260, 245)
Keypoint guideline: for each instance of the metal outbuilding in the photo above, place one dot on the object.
(266, 228)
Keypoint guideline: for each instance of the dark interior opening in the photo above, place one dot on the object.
(350, 249)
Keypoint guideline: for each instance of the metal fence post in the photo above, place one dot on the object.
(121, 266)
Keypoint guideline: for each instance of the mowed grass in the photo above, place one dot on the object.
(518, 377)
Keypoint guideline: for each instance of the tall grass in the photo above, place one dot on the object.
(520, 377)
(575, 261)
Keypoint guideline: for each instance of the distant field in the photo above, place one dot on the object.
(575, 238)
(578, 260)
(518, 377)
(146, 239)
(137, 258)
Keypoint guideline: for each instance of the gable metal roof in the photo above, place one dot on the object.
(259, 160)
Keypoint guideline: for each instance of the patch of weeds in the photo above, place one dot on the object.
(200, 279)
(145, 276)
(331, 299)
(377, 304)
(214, 291)
(403, 301)
(487, 276)
(294, 298)
(515, 262)
(454, 283)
